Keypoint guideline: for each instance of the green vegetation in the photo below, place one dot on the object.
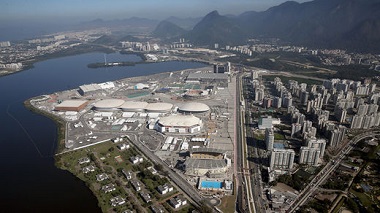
(351, 204)
(110, 160)
(278, 136)
(339, 205)
(296, 181)
(339, 182)
(228, 203)
(364, 199)
(354, 72)
(80, 49)
(286, 79)
(259, 136)
(319, 206)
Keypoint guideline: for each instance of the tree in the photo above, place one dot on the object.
(159, 167)
(204, 208)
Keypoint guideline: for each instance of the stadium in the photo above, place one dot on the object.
(193, 107)
(206, 162)
(108, 105)
(184, 124)
(133, 106)
(159, 107)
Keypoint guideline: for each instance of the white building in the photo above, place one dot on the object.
(179, 124)
(282, 159)
(309, 155)
(269, 138)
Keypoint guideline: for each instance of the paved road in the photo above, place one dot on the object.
(241, 205)
(256, 182)
(327, 170)
(190, 191)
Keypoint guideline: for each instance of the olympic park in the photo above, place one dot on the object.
(173, 121)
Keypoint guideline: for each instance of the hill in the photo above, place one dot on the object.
(166, 30)
(346, 24)
(214, 28)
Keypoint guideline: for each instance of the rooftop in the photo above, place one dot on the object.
(205, 163)
(180, 120)
(194, 107)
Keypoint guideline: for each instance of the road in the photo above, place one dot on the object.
(190, 191)
(327, 171)
(249, 185)
(254, 166)
(242, 202)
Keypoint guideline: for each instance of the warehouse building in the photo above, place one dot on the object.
(71, 105)
(89, 89)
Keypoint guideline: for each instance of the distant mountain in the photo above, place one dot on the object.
(214, 28)
(133, 24)
(347, 24)
(185, 23)
(167, 30)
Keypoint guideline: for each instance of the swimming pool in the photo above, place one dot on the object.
(211, 184)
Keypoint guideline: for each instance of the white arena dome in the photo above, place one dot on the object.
(194, 107)
(159, 107)
(133, 106)
(108, 104)
(180, 121)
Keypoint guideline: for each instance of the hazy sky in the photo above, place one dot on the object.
(110, 9)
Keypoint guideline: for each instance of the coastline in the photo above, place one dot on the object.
(82, 49)
(59, 122)
(68, 162)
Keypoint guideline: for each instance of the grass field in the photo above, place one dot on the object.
(228, 204)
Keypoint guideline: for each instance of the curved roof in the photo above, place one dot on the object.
(194, 107)
(159, 107)
(180, 120)
(134, 105)
(109, 103)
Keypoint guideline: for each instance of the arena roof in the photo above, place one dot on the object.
(205, 163)
(109, 103)
(134, 105)
(159, 107)
(72, 103)
(180, 120)
(207, 149)
(194, 107)
(90, 87)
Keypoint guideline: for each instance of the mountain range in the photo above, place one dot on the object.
(347, 24)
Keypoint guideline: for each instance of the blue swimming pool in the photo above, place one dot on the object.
(211, 184)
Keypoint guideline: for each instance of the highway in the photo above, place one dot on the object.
(327, 170)
(254, 166)
(249, 192)
(190, 191)
(242, 204)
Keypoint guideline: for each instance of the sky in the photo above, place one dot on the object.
(119, 9)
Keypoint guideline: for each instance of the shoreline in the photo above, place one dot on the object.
(59, 122)
(83, 49)
(60, 158)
